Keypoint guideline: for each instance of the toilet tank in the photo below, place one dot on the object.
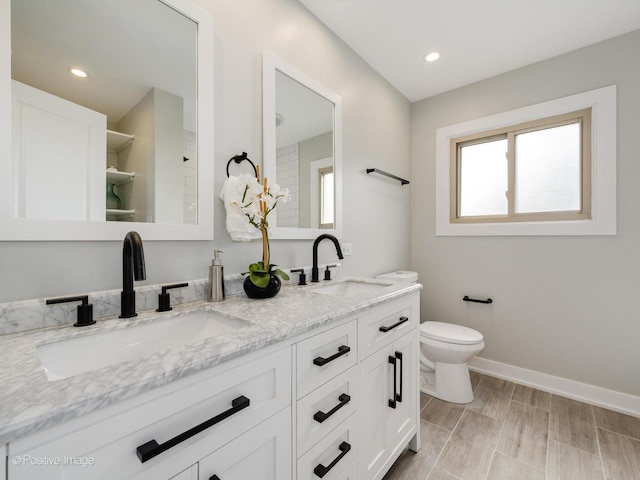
(399, 276)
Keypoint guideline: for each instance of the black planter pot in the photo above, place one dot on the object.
(271, 290)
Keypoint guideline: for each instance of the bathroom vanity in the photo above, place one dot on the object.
(319, 382)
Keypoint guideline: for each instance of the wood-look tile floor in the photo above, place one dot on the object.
(513, 432)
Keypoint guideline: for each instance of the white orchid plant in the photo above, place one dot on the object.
(256, 201)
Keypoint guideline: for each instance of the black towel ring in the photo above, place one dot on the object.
(240, 158)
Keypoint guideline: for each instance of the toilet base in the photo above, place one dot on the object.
(452, 382)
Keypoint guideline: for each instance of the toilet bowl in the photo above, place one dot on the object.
(445, 350)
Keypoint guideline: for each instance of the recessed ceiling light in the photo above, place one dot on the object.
(432, 57)
(78, 72)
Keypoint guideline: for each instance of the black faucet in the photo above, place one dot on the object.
(132, 267)
(314, 270)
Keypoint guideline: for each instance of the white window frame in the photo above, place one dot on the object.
(602, 102)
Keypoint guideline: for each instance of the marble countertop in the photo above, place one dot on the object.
(30, 402)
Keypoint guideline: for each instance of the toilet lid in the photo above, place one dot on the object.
(450, 333)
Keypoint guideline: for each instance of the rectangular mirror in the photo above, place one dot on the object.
(127, 147)
(302, 151)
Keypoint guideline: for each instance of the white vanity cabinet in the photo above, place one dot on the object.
(388, 377)
(110, 443)
(339, 402)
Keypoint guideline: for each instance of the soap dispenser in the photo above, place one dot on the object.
(215, 291)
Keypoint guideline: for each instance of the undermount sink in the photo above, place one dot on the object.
(347, 288)
(87, 353)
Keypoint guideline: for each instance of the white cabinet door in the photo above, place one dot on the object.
(404, 418)
(389, 409)
(376, 381)
(59, 157)
(262, 453)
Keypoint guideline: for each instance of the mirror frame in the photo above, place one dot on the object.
(270, 64)
(19, 229)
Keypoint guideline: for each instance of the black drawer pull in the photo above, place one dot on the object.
(321, 416)
(392, 401)
(342, 350)
(321, 470)
(398, 323)
(151, 448)
(467, 299)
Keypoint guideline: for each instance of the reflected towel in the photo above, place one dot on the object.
(238, 226)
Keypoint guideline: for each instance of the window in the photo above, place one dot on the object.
(326, 197)
(545, 169)
(539, 170)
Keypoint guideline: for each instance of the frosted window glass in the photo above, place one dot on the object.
(327, 198)
(483, 179)
(548, 175)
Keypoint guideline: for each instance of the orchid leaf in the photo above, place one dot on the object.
(280, 273)
(259, 279)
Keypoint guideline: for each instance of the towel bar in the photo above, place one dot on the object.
(381, 172)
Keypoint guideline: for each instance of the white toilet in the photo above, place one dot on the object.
(445, 350)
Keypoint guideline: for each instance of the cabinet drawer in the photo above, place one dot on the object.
(111, 444)
(335, 452)
(264, 453)
(349, 473)
(323, 356)
(190, 473)
(326, 407)
(384, 325)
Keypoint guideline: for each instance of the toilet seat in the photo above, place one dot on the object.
(450, 333)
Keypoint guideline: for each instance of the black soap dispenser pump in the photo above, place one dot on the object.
(215, 292)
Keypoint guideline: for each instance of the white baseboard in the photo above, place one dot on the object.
(620, 402)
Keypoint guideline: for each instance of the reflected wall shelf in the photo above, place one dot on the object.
(117, 141)
(120, 213)
(118, 178)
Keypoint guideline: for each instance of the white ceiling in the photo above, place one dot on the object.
(125, 57)
(477, 39)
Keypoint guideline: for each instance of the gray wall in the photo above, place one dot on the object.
(375, 134)
(564, 306)
(310, 150)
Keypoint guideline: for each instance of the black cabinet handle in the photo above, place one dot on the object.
(214, 477)
(342, 350)
(151, 448)
(322, 416)
(398, 323)
(392, 401)
(321, 470)
(399, 395)
(467, 299)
